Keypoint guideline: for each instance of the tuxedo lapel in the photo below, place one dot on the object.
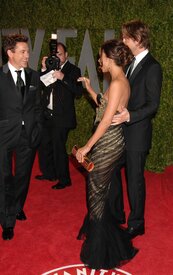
(11, 83)
(135, 72)
(28, 81)
(66, 67)
(138, 68)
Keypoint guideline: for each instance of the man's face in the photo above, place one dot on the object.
(61, 54)
(20, 56)
(131, 43)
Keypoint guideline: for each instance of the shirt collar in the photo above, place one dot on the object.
(63, 64)
(13, 72)
(13, 69)
(140, 56)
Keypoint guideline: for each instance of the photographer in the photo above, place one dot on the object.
(59, 111)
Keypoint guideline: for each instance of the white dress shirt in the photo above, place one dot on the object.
(50, 105)
(14, 74)
(138, 58)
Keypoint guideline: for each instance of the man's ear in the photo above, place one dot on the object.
(9, 53)
(138, 41)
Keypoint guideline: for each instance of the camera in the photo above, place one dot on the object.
(53, 62)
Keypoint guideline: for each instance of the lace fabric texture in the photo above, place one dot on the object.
(105, 244)
(101, 108)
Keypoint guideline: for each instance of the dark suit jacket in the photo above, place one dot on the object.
(64, 93)
(13, 111)
(145, 83)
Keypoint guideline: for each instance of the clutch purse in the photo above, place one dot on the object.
(87, 163)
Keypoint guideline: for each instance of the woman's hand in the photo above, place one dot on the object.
(86, 81)
(88, 87)
(81, 153)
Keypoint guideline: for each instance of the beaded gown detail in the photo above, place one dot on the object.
(106, 245)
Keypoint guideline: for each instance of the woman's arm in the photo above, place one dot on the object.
(89, 88)
(114, 95)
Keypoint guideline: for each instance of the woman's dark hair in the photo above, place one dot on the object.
(11, 40)
(138, 31)
(118, 51)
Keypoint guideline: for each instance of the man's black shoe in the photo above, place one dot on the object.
(7, 233)
(135, 231)
(60, 185)
(21, 216)
(42, 177)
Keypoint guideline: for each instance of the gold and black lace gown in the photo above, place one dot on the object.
(106, 245)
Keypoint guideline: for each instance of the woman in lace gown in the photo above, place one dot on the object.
(106, 245)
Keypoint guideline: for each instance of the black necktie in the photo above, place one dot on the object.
(20, 83)
(130, 69)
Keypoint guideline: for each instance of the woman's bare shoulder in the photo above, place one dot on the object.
(119, 84)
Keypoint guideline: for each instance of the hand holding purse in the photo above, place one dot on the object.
(87, 163)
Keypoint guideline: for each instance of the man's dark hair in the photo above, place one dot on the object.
(11, 40)
(63, 46)
(138, 31)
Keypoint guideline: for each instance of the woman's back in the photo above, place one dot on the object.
(119, 85)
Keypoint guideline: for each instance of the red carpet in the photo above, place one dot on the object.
(47, 239)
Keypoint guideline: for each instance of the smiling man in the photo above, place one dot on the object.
(20, 125)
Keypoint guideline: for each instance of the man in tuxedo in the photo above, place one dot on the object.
(20, 124)
(59, 113)
(145, 78)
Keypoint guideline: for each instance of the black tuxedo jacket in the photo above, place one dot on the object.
(145, 83)
(64, 93)
(14, 110)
